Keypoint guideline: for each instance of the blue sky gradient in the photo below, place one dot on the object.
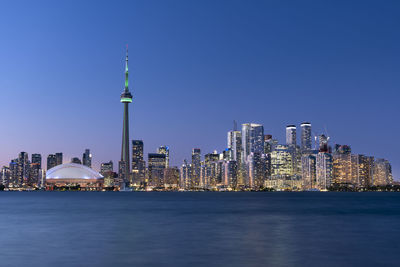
(195, 66)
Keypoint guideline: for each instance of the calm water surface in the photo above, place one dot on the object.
(199, 229)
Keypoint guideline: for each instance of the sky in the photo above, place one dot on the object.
(195, 66)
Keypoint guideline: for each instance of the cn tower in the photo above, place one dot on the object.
(126, 98)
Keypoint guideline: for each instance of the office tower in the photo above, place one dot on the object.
(156, 166)
(76, 160)
(382, 173)
(230, 169)
(323, 143)
(106, 168)
(23, 169)
(164, 150)
(185, 175)
(59, 158)
(171, 177)
(196, 167)
(291, 135)
(35, 169)
(138, 163)
(323, 164)
(281, 162)
(309, 175)
(210, 169)
(87, 158)
(306, 141)
(252, 139)
(235, 145)
(361, 170)
(256, 171)
(342, 168)
(5, 176)
(13, 166)
(124, 163)
(51, 161)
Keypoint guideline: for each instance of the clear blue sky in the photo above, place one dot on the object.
(194, 67)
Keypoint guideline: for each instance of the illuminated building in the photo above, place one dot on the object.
(281, 162)
(342, 167)
(124, 163)
(156, 166)
(73, 176)
(196, 166)
(256, 172)
(51, 161)
(382, 173)
(5, 176)
(252, 139)
(324, 163)
(235, 145)
(230, 174)
(306, 141)
(138, 163)
(164, 150)
(309, 175)
(291, 135)
(171, 177)
(323, 143)
(185, 175)
(35, 169)
(106, 168)
(87, 158)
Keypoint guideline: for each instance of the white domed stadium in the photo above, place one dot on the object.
(74, 175)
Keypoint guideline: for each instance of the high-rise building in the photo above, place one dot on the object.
(342, 167)
(230, 174)
(171, 177)
(164, 150)
(87, 158)
(35, 169)
(281, 162)
(256, 170)
(252, 139)
(382, 173)
(291, 135)
(51, 161)
(361, 170)
(138, 163)
(323, 143)
(235, 145)
(59, 158)
(185, 175)
(309, 175)
(106, 168)
(156, 166)
(124, 163)
(306, 140)
(323, 164)
(196, 167)
(5, 176)
(23, 169)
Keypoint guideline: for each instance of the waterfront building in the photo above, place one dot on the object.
(171, 177)
(185, 175)
(235, 146)
(87, 158)
(73, 176)
(5, 176)
(230, 174)
(306, 140)
(156, 166)
(309, 175)
(196, 167)
(35, 170)
(281, 162)
(164, 150)
(382, 173)
(291, 135)
(342, 166)
(106, 167)
(252, 139)
(324, 163)
(59, 158)
(124, 163)
(51, 161)
(138, 163)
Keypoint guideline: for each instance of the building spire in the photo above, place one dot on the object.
(126, 71)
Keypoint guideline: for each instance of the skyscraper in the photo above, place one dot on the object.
(164, 150)
(324, 170)
(235, 145)
(196, 167)
(156, 169)
(252, 139)
(306, 141)
(341, 171)
(291, 135)
(51, 161)
(87, 158)
(59, 158)
(126, 98)
(35, 170)
(138, 164)
(106, 168)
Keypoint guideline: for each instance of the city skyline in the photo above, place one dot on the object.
(165, 113)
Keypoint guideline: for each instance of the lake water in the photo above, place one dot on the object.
(199, 229)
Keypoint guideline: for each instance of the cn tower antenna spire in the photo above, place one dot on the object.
(126, 71)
